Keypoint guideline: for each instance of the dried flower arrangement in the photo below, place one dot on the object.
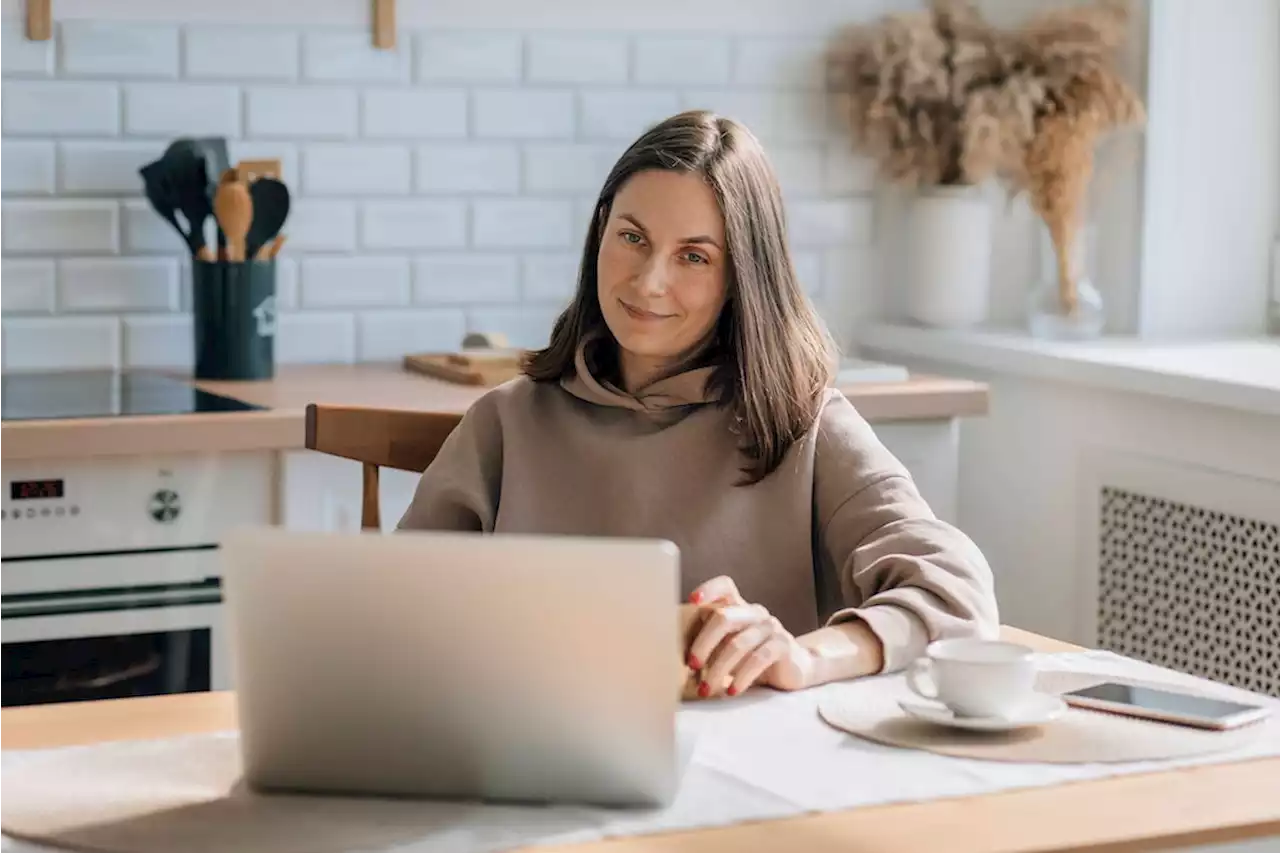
(942, 98)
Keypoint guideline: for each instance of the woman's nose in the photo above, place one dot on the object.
(653, 278)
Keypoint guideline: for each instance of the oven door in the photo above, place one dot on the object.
(77, 645)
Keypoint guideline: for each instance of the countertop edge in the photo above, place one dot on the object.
(282, 428)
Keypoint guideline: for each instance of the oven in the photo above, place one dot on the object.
(110, 572)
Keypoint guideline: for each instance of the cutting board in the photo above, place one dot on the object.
(483, 367)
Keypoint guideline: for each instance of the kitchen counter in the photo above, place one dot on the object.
(280, 425)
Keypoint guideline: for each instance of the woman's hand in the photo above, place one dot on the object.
(740, 644)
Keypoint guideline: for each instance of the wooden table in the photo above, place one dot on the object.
(1156, 811)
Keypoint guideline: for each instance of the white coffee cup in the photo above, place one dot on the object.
(974, 677)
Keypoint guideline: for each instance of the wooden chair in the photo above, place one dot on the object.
(377, 438)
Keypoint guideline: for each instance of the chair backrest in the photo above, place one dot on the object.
(377, 438)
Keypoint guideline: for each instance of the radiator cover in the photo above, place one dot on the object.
(1189, 587)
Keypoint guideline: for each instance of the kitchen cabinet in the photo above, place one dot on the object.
(930, 449)
(322, 493)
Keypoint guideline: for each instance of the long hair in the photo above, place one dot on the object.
(774, 358)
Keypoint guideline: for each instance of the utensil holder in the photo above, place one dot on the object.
(234, 319)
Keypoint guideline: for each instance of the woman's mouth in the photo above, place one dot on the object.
(642, 315)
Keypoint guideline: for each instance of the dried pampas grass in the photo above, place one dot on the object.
(940, 97)
(899, 80)
(1086, 97)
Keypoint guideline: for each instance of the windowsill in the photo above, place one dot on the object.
(1236, 373)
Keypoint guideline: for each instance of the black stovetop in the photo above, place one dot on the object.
(104, 394)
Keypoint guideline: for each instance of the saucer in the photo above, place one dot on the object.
(1037, 710)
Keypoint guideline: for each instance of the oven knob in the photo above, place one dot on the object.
(165, 506)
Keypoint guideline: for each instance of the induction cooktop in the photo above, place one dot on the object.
(105, 393)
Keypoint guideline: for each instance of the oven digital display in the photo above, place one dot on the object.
(25, 489)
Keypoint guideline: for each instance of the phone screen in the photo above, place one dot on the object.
(1163, 700)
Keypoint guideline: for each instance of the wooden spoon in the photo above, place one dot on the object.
(269, 250)
(233, 207)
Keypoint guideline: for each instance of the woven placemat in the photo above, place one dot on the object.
(1077, 737)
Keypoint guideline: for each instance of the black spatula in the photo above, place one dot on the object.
(163, 193)
(270, 209)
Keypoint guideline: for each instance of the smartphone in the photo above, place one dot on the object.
(1168, 706)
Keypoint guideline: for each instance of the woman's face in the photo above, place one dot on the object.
(661, 271)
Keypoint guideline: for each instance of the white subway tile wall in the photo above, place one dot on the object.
(28, 286)
(440, 187)
(101, 168)
(27, 168)
(387, 335)
(241, 53)
(157, 340)
(447, 279)
(475, 167)
(354, 282)
(61, 343)
(311, 337)
(19, 55)
(551, 277)
(117, 284)
(181, 109)
(92, 49)
(347, 169)
(60, 108)
(402, 224)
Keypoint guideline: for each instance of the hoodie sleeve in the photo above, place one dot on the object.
(460, 488)
(911, 577)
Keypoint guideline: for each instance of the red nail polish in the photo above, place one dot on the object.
(695, 597)
(732, 691)
(704, 690)
(694, 663)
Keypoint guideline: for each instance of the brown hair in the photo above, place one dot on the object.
(773, 357)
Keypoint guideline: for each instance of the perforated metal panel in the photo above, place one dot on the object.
(1190, 588)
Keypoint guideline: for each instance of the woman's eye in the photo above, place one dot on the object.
(632, 237)
(695, 257)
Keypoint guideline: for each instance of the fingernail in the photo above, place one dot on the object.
(695, 597)
(694, 663)
(732, 691)
(704, 690)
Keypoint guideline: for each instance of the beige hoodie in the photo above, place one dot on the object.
(837, 532)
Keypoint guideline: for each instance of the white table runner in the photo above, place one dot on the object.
(763, 756)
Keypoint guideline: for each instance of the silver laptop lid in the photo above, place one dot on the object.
(458, 665)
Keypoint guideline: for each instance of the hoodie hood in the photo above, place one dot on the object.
(687, 388)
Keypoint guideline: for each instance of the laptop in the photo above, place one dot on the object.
(455, 665)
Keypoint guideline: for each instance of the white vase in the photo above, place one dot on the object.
(948, 262)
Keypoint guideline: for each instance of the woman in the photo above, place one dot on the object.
(685, 395)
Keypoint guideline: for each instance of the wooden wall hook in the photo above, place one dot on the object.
(39, 20)
(384, 24)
